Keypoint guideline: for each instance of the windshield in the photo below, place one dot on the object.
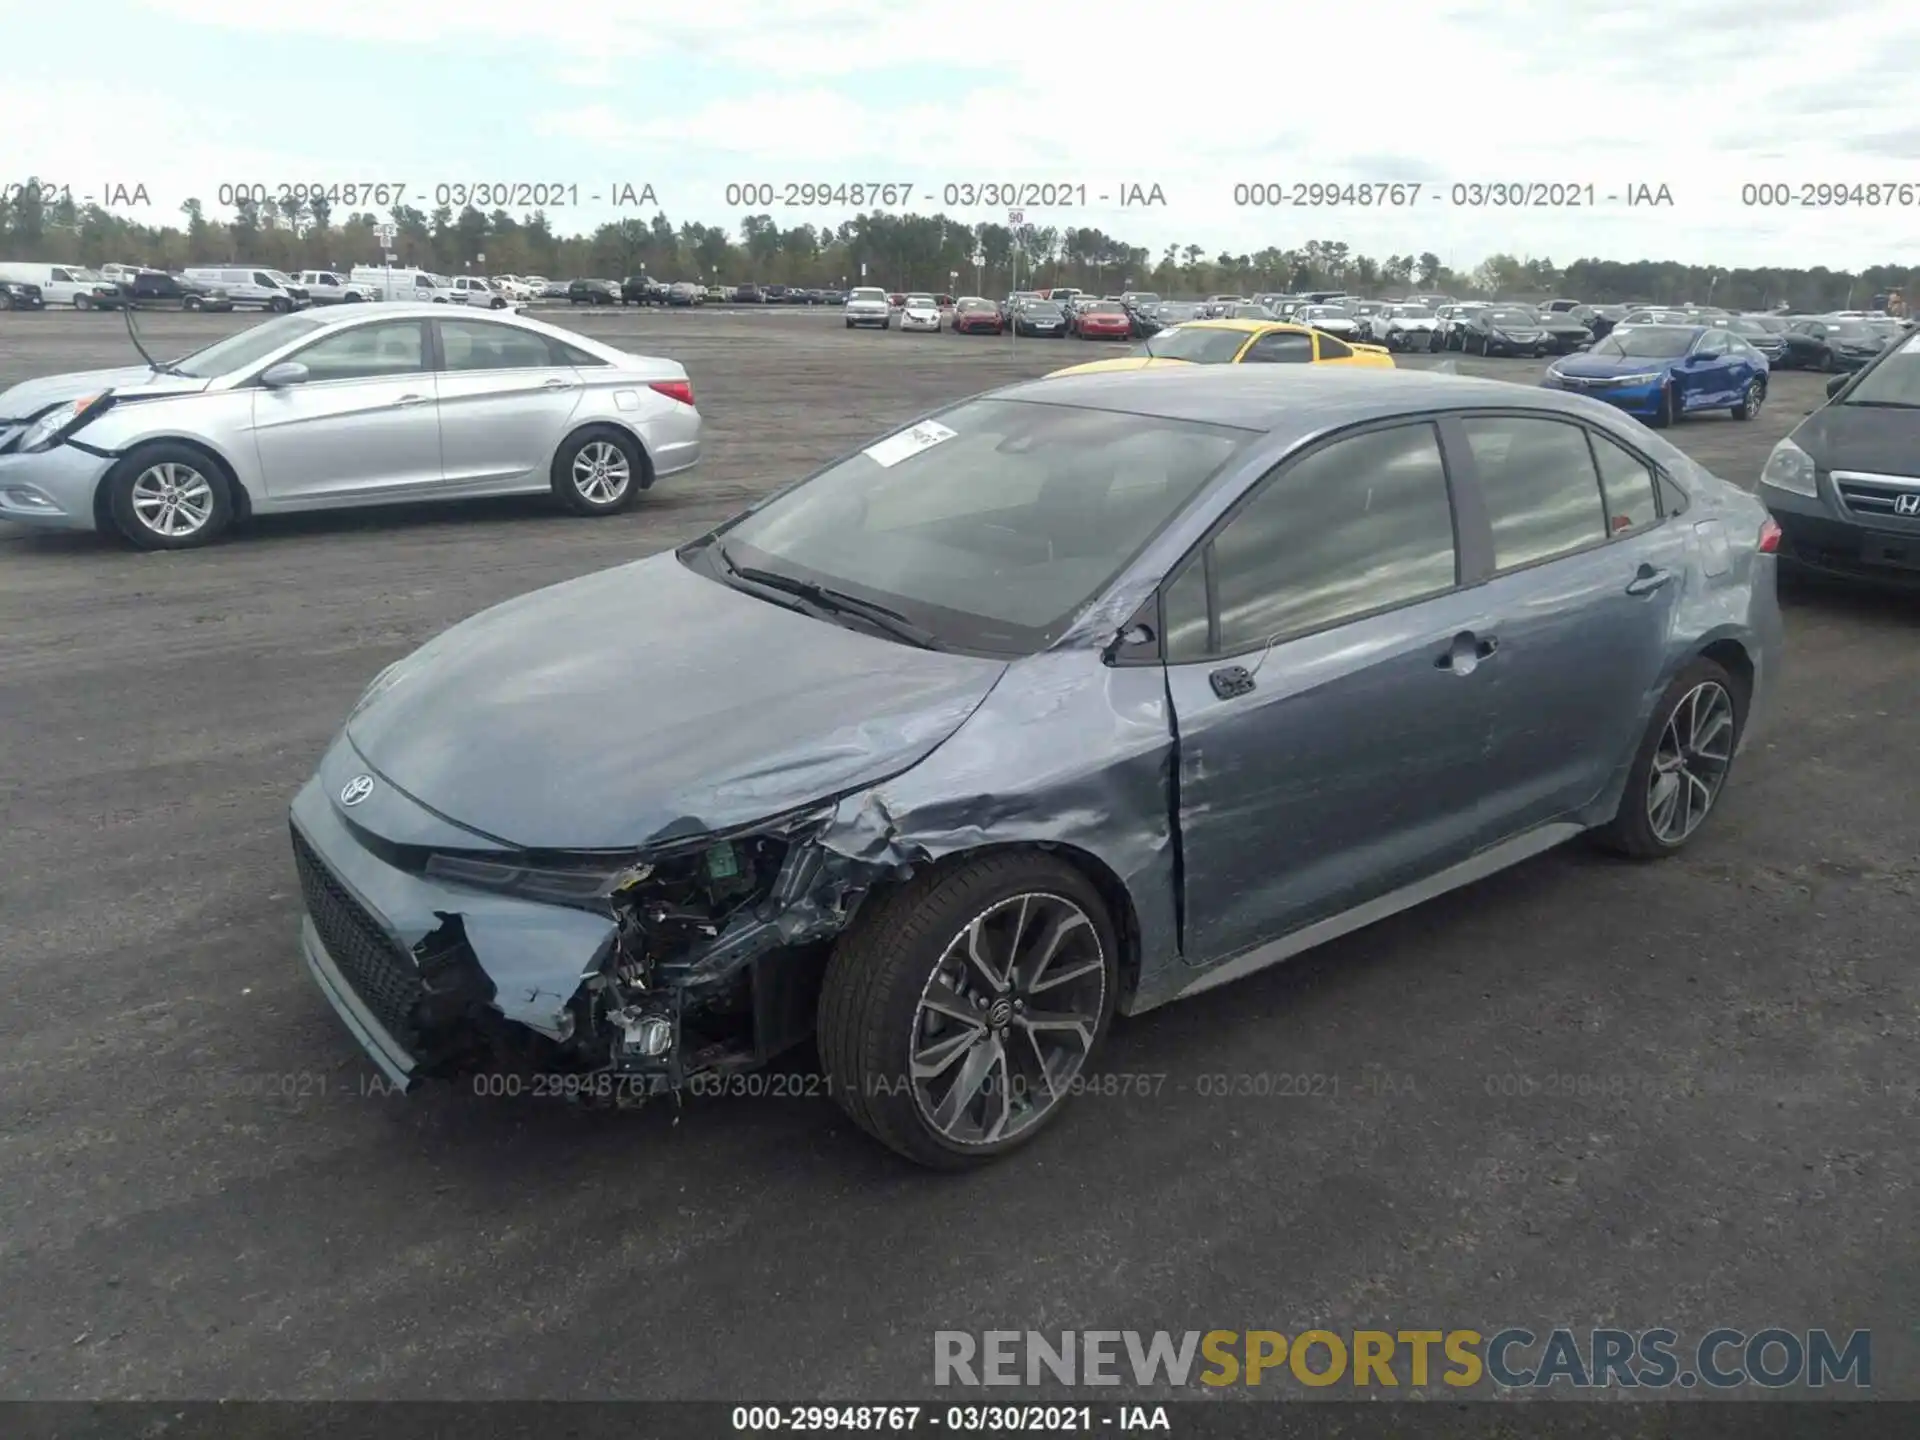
(1197, 344)
(976, 305)
(1645, 342)
(1858, 332)
(1511, 316)
(1042, 307)
(1411, 312)
(1174, 310)
(1748, 327)
(1327, 312)
(1895, 381)
(1771, 325)
(1106, 308)
(236, 352)
(920, 301)
(1144, 297)
(279, 277)
(991, 525)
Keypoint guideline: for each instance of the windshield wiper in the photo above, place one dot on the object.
(832, 601)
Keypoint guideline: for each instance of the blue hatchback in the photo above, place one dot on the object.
(1662, 372)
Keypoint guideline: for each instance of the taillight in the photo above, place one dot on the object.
(681, 390)
(1769, 536)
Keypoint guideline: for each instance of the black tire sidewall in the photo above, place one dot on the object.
(1631, 831)
(562, 471)
(874, 985)
(119, 484)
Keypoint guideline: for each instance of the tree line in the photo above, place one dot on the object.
(898, 251)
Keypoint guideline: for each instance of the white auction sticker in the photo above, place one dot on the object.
(1912, 346)
(895, 448)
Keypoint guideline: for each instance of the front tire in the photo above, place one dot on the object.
(1751, 399)
(168, 496)
(961, 1008)
(1682, 764)
(1669, 411)
(191, 303)
(598, 471)
(83, 302)
(279, 305)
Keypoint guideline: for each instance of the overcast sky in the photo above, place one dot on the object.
(1702, 96)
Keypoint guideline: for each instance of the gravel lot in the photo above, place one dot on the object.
(1581, 1093)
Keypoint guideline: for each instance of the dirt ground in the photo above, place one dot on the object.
(1580, 1093)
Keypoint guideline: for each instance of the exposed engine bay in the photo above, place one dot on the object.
(714, 963)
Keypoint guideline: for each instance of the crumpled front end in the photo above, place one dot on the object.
(612, 976)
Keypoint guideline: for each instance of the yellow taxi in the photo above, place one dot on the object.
(1240, 342)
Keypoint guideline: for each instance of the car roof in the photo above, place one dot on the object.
(1246, 325)
(1289, 401)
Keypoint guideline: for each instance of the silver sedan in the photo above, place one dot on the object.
(364, 405)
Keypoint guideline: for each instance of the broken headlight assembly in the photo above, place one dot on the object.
(57, 424)
(585, 880)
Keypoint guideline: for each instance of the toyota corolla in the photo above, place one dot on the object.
(1073, 699)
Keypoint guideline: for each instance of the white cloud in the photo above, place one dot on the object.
(1691, 93)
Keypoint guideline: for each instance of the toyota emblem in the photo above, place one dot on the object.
(356, 790)
(1908, 504)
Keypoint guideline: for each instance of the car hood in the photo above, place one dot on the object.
(1597, 368)
(30, 397)
(921, 312)
(1124, 362)
(649, 703)
(1862, 437)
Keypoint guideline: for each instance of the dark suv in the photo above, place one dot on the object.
(157, 290)
(1845, 485)
(593, 292)
(18, 295)
(638, 290)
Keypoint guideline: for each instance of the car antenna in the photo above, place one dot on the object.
(133, 334)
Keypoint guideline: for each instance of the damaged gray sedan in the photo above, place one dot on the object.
(1070, 700)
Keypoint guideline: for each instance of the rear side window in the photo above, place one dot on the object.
(1362, 525)
(566, 354)
(1541, 488)
(1627, 486)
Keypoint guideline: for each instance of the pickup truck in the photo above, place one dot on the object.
(328, 288)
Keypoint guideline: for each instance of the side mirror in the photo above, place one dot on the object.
(287, 372)
(1836, 384)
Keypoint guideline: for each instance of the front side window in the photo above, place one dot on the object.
(990, 525)
(1332, 349)
(1540, 486)
(1361, 525)
(260, 277)
(477, 345)
(367, 352)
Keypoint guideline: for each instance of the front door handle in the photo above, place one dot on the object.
(557, 384)
(1231, 680)
(1648, 580)
(1465, 652)
(411, 400)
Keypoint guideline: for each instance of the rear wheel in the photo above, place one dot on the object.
(961, 1010)
(1751, 399)
(168, 496)
(1682, 764)
(597, 472)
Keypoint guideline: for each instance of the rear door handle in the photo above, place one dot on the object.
(1648, 580)
(411, 400)
(1465, 652)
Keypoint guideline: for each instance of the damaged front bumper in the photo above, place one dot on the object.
(704, 956)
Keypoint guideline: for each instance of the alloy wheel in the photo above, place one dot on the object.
(173, 500)
(1007, 1019)
(1690, 763)
(1756, 394)
(601, 472)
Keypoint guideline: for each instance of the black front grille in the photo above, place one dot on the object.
(382, 975)
(1877, 498)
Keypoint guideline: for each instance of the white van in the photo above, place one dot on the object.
(478, 290)
(249, 285)
(402, 282)
(73, 285)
